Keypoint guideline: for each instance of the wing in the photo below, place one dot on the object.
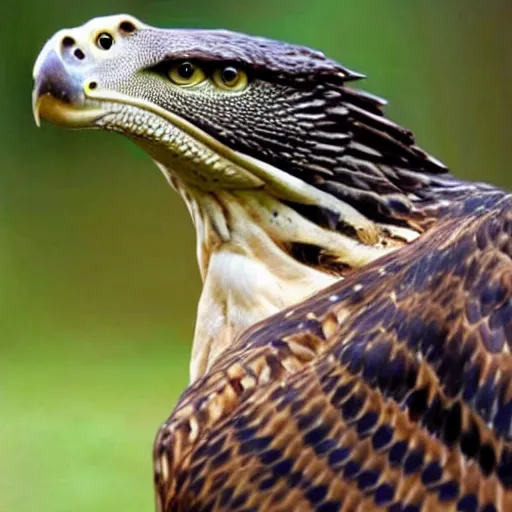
(391, 390)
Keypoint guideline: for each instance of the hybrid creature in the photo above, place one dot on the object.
(353, 335)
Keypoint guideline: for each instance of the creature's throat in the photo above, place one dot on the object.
(247, 272)
(247, 249)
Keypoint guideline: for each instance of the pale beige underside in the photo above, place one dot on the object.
(247, 275)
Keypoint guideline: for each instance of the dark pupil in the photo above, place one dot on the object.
(229, 74)
(105, 41)
(186, 70)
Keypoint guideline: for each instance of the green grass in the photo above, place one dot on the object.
(78, 420)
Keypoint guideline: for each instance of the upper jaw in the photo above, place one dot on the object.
(59, 94)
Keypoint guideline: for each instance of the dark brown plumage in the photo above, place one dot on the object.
(391, 389)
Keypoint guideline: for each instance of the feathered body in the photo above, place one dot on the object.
(352, 346)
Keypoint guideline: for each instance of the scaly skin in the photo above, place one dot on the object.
(390, 388)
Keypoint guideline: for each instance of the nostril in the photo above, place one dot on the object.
(127, 26)
(68, 41)
(79, 54)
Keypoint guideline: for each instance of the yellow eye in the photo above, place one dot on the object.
(186, 73)
(230, 78)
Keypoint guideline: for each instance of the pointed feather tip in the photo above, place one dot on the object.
(351, 76)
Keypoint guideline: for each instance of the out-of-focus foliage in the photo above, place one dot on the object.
(98, 277)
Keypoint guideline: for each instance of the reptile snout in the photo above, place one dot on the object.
(54, 79)
(68, 71)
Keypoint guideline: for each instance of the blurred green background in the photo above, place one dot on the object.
(97, 261)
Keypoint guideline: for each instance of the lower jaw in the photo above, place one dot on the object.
(176, 152)
(64, 114)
